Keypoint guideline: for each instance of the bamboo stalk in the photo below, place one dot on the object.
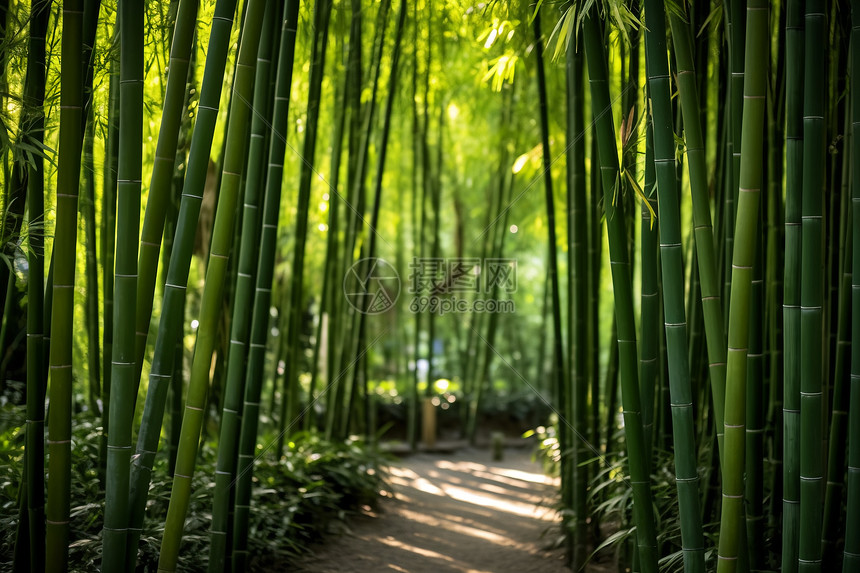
(851, 559)
(560, 373)
(616, 226)
(671, 257)
(123, 386)
(108, 246)
(62, 307)
(34, 122)
(811, 292)
(577, 286)
(743, 256)
(702, 230)
(791, 307)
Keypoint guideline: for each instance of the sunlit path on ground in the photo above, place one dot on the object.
(459, 512)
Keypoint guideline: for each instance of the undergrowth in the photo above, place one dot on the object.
(296, 500)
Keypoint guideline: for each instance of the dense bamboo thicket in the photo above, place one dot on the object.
(249, 245)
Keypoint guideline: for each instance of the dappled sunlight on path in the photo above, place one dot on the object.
(460, 512)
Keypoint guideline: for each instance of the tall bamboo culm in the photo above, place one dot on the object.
(36, 376)
(812, 290)
(561, 375)
(671, 257)
(703, 234)
(577, 285)
(743, 255)
(123, 385)
(65, 239)
(794, 46)
(621, 281)
(851, 559)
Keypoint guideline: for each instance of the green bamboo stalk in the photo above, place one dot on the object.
(851, 559)
(833, 498)
(108, 246)
(163, 165)
(616, 226)
(177, 380)
(123, 388)
(743, 256)
(418, 245)
(564, 391)
(432, 175)
(811, 291)
(558, 350)
(170, 326)
(334, 301)
(754, 444)
(736, 26)
(577, 285)
(671, 257)
(12, 198)
(774, 264)
(65, 239)
(841, 298)
(87, 209)
(794, 45)
(91, 306)
(263, 290)
(225, 471)
(216, 272)
(329, 302)
(702, 229)
(34, 122)
(649, 374)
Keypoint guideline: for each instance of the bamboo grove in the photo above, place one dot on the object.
(188, 188)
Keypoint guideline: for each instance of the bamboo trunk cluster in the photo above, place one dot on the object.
(744, 401)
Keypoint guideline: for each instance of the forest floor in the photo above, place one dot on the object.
(458, 512)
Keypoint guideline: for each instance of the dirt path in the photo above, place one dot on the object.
(458, 512)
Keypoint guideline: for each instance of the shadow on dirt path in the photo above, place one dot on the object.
(459, 512)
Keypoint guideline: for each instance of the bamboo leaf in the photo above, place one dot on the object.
(565, 30)
(638, 190)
